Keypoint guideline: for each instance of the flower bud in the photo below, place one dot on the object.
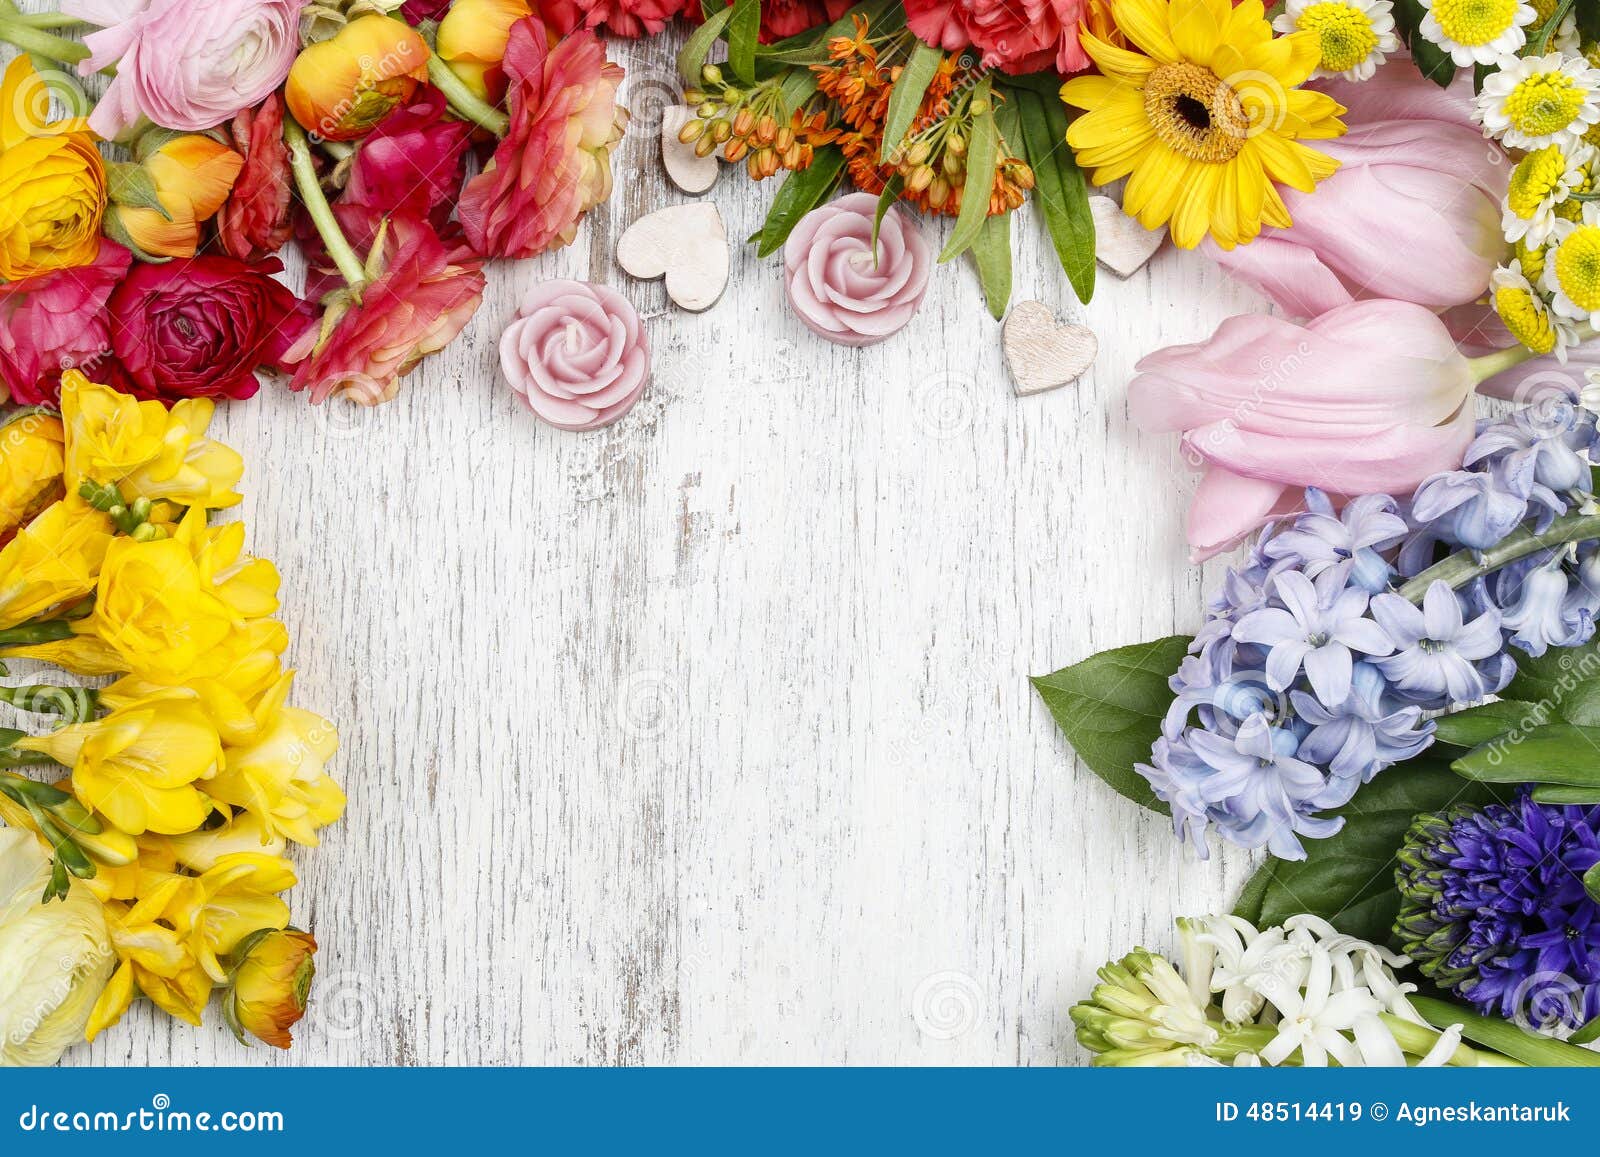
(692, 131)
(340, 88)
(472, 40)
(711, 74)
(271, 983)
(921, 177)
(919, 152)
(159, 204)
(744, 120)
(721, 130)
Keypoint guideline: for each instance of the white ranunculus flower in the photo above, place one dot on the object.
(54, 958)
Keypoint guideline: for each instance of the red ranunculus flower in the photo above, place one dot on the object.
(1015, 36)
(554, 164)
(630, 18)
(56, 321)
(200, 328)
(421, 298)
(416, 11)
(413, 160)
(254, 221)
(781, 18)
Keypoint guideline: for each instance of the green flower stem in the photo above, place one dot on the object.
(49, 631)
(1416, 1039)
(1465, 565)
(35, 40)
(316, 203)
(463, 101)
(72, 704)
(47, 20)
(1540, 40)
(1487, 366)
(1506, 1038)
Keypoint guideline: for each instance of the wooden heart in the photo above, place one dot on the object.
(686, 244)
(1044, 354)
(685, 168)
(1121, 244)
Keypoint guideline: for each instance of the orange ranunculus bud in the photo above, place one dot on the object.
(271, 985)
(339, 88)
(472, 41)
(190, 175)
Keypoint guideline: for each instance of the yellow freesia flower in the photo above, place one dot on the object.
(217, 909)
(279, 776)
(52, 181)
(144, 449)
(117, 855)
(53, 561)
(191, 175)
(1204, 117)
(32, 458)
(138, 766)
(202, 850)
(154, 958)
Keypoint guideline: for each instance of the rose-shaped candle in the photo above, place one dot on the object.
(576, 354)
(838, 287)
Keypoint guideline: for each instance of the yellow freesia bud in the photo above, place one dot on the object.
(143, 448)
(154, 958)
(339, 88)
(191, 176)
(472, 41)
(217, 909)
(54, 958)
(32, 457)
(271, 984)
(138, 766)
(280, 776)
(53, 561)
(52, 181)
(117, 855)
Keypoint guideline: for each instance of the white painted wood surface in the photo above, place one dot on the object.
(707, 738)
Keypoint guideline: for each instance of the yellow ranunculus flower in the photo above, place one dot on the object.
(279, 776)
(221, 906)
(472, 41)
(53, 561)
(340, 88)
(144, 449)
(191, 175)
(32, 458)
(55, 958)
(52, 181)
(154, 958)
(271, 985)
(137, 767)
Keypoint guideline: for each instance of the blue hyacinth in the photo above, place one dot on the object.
(1313, 673)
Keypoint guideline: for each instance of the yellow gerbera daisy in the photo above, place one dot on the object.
(1204, 118)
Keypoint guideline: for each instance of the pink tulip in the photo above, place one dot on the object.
(1413, 214)
(1372, 397)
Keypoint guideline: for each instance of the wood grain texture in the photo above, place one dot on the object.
(707, 738)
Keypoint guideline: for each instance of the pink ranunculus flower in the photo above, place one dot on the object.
(836, 285)
(1015, 36)
(254, 222)
(1413, 214)
(554, 164)
(185, 64)
(57, 321)
(1372, 397)
(412, 161)
(424, 294)
(576, 354)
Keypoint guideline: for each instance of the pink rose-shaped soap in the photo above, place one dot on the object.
(835, 285)
(576, 354)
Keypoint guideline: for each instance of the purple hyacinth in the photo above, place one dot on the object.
(1493, 907)
(1438, 653)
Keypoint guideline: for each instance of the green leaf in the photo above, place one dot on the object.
(693, 54)
(1591, 882)
(799, 194)
(797, 87)
(1348, 878)
(1504, 1037)
(980, 177)
(1588, 1034)
(991, 252)
(1564, 682)
(743, 31)
(906, 96)
(1059, 188)
(890, 194)
(1556, 794)
(1431, 60)
(1477, 725)
(1110, 708)
(133, 187)
(1559, 753)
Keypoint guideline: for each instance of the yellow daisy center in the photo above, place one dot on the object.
(1194, 113)
(1530, 260)
(1347, 35)
(1474, 22)
(1524, 318)
(1578, 267)
(1536, 177)
(1544, 103)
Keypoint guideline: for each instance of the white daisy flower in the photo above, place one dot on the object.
(1528, 316)
(1540, 100)
(1477, 31)
(1544, 179)
(1571, 278)
(1356, 35)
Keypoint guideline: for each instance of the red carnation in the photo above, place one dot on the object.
(254, 221)
(56, 321)
(1015, 36)
(199, 328)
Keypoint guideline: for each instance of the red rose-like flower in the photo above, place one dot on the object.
(421, 298)
(413, 160)
(630, 18)
(1015, 36)
(200, 328)
(416, 11)
(781, 18)
(56, 321)
(554, 164)
(254, 221)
